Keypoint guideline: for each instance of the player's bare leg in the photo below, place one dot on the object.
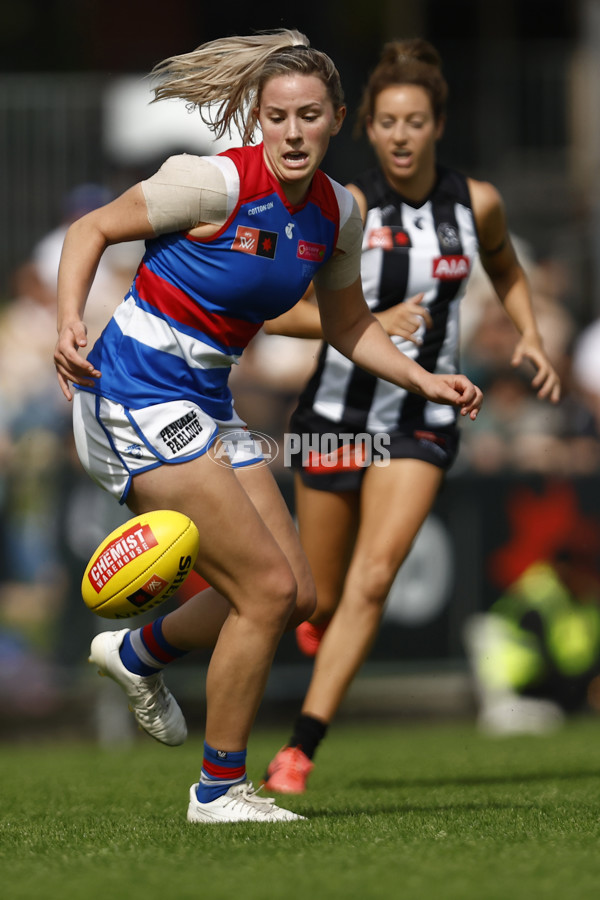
(198, 622)
(395, 501)
(240, 557)
(328, 523)
(249, 568)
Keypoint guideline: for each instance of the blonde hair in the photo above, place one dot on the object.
(413, 61)
(225, 78)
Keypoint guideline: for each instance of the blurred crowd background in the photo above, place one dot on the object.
(76, 129)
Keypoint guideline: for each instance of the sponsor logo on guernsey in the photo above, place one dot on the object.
(311, 252)
(289, 230)
(178, 434)
(388, 237)
(448, 236)
(122, 550)
(255, 241)
(264, 207)
(451, 268)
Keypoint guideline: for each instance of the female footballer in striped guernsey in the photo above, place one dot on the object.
(423, 226)
(231, 240)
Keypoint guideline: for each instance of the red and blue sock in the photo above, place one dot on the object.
(146, 651)
(220, 769)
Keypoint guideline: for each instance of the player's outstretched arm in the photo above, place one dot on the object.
(512, 287)
(349, 326)
(406, 319)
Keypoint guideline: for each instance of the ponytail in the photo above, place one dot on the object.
(225, 78)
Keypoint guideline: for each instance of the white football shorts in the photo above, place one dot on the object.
(115, 443)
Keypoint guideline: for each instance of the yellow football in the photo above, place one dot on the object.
(140, 564)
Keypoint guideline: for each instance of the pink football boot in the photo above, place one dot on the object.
(288, 771)
(309, 637)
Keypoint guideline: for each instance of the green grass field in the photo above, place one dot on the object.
(397, 810)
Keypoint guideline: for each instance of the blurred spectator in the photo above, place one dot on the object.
(30, 449)
(115, 271)
(535, 655)
(27, 339)
(516, 431)
(488, 336)
(28, 390)
(32, 420)
(512, 432)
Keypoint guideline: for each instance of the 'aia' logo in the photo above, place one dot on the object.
(450, 268)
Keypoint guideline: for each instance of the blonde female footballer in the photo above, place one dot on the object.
(231, 240)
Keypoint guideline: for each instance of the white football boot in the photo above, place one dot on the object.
(154, 707)
(241, 803)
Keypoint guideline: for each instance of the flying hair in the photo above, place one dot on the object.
(224, 78)
(413, 61)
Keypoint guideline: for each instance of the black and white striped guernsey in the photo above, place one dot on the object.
(407, 250)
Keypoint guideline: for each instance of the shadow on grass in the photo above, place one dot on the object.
(386, 809)
(474, 780)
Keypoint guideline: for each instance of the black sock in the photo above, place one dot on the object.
(308, 734)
